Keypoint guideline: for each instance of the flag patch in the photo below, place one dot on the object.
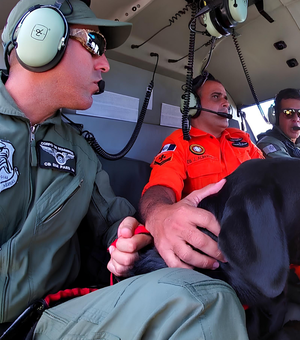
(168, 147)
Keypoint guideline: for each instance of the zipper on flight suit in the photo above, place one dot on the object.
(33, 156)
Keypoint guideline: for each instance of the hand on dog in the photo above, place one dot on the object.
(174, 228)
(125, 253)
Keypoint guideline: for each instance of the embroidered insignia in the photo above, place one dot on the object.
(8, 174)
(162, 159)
(168, 147)
(235, 139)
(270, 149)
(55, 157)
(197, 149)
(240, 144)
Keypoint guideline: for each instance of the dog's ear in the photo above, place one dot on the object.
(254, 241)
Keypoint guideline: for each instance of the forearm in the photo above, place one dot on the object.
(173, 226)
(153, 200)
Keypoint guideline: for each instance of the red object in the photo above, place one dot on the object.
(296, 269)
(67, 293)
(139, 230)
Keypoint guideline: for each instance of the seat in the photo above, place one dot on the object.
(127, 177)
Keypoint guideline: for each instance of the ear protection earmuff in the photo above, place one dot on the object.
(195, 103)
(220, 20)
(232, 12)
(272, 114)
(213, 25)
(40, 38)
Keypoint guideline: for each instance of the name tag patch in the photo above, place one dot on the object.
(54, 157)
(240, 144)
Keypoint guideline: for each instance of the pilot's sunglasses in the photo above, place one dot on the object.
(92, 41)
(289, 113)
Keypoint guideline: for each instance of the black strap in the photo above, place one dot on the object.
(4, 326)
(24, 324)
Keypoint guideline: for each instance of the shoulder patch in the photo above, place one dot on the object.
(161, 159)
(54, 157)
(8, 173)
(168, 147)
(269, 149)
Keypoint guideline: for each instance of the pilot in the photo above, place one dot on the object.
(213, 152)
(281, 140)
(51, 181)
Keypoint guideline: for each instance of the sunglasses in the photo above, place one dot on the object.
(289, 113)
(92, 41)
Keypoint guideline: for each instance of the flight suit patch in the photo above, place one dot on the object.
(235, 139)
(197, 149)
(161, 159)
(8, 173)
(168, 147)
(55, 157)
(240, 144)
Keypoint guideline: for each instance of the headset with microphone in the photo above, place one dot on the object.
(195, 107)
(40, 37)
(275, 108)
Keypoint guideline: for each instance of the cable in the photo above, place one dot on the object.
(189, 79)
(242, 60)
(92, 140)
(197, 49)
(210, 53)
(171, 21)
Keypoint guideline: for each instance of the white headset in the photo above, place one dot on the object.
(220, 20)
(40, 38)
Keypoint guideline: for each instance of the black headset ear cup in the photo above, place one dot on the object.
(40, 38)
(225, 16)
(213, 25)
(272, 114)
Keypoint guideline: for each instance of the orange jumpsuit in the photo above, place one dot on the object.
(185, 166)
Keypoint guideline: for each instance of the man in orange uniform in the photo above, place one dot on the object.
(213, 152)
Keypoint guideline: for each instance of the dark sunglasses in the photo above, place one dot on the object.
(289, 113)
(92, 41)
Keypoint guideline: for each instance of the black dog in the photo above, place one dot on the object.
(259, 212)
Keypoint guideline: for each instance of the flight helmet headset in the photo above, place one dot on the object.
(274, 109)
(39, 31)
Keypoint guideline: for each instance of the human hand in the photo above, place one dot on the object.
(175, 232)
(125, 253)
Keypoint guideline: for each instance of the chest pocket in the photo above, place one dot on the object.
(242, 154)
(203, 166)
